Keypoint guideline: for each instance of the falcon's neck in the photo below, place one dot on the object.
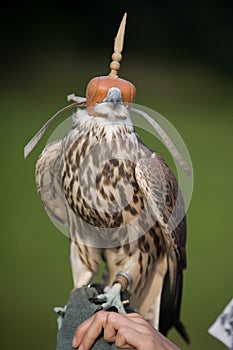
(102, 126)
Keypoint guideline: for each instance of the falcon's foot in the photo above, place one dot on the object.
(111, 297)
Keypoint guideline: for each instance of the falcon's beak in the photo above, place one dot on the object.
(114, 96)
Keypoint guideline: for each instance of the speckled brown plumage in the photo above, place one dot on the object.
(121, 203)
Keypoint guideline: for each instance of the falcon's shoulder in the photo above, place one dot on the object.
(48, 180)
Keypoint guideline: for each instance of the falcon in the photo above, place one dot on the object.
(120, 201)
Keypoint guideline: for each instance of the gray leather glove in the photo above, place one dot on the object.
(78, 309)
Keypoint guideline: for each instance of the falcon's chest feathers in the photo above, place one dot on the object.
(98, 170)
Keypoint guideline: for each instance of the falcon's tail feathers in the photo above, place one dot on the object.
(182, 331)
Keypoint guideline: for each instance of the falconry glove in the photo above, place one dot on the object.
(78, 309)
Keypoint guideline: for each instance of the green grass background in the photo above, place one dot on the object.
(34, 261)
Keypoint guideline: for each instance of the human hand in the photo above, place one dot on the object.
(126, 331)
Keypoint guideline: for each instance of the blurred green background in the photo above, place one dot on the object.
(179, 56)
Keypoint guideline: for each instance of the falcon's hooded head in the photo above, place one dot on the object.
(111, 107)
(111, 94)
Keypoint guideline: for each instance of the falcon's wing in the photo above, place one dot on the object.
(48, 180)
(162, 193)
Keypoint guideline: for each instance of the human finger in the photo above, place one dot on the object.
(128, 338)
(110, 328)
(136, 317)
(115, 320)
(89, 330)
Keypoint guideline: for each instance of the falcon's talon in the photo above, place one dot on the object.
(99, 299)
(93, 300)
(100, 308)
(113, 309)
(106, 306)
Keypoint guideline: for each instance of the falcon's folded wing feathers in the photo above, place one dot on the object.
(163, 195)
(48, 182)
